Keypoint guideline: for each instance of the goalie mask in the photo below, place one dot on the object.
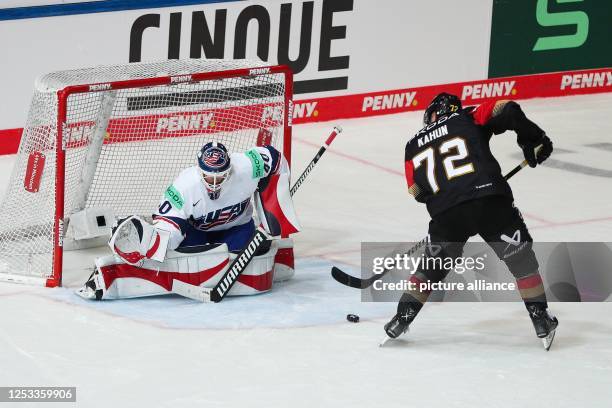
(214, 163)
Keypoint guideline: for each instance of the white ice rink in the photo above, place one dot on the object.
(293, 347)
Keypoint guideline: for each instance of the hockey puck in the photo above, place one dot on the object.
(352, 318)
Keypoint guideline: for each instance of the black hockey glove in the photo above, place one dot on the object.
(529, 151)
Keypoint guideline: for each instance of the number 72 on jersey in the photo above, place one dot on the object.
(450, 151)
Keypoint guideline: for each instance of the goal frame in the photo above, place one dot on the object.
(60, 146)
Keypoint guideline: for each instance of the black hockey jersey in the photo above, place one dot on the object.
(450, 161)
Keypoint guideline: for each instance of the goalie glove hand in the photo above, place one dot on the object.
(535, 156)
(134, 240)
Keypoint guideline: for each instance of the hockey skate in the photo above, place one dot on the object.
(544, 323)
(398, 325)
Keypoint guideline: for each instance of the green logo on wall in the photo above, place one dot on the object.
(535, 36)
(578, 18)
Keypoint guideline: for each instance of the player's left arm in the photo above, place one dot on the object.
(273, 198)
(503, 115)
(413, 187)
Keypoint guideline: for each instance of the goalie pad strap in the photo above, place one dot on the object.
(121, 280)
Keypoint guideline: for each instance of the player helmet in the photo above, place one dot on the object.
(441, 105)
(214, 163)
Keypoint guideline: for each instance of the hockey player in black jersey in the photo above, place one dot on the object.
(449, 167)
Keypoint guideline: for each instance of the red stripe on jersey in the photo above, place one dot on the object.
(409, 168)
(483, 112)
(169, 221)
(223, 219)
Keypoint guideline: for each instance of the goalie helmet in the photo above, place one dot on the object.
(214, 163)
(441, 105)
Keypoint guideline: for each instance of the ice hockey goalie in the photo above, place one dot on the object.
(205, 217)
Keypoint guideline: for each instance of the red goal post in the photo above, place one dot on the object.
(113, 136)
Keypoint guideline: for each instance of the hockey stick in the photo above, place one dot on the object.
(220, 290)
(337, 130)
(362, 283)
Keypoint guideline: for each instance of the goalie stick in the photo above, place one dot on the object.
(362, 283)
(337, 130)
(220, 290)
(229, 278)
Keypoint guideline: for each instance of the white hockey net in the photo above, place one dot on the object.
(126, 141)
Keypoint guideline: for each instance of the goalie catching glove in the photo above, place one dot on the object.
(134, 240)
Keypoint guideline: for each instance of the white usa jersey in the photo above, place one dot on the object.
(186, 201)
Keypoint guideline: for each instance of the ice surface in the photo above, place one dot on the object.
(293, 346)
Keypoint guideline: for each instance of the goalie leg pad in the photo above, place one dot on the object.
(120, 280)
(284, 264)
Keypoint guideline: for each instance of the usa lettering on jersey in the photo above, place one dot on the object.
(221, 216)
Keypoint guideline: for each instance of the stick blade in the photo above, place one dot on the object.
(191, 291)
(344, 278)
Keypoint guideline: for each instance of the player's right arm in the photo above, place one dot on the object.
(134, 240)
(503, 115)
(174, 209)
